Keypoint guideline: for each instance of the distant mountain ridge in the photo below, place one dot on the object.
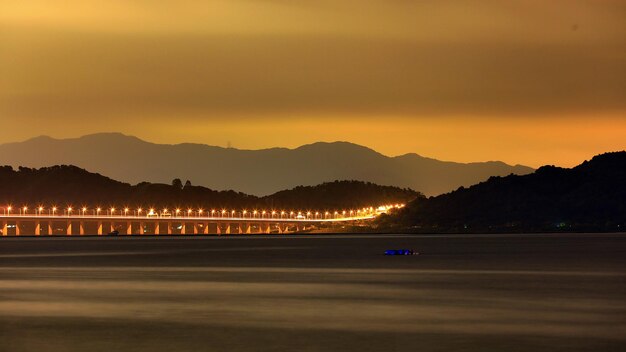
(258, 172)
(588, 197)
(67, 185)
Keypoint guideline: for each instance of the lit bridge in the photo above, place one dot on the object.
(81, 221)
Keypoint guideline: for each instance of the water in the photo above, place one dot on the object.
(314, 293)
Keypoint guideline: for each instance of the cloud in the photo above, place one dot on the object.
(285, 58)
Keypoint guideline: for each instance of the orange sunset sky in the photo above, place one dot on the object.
(529, 82)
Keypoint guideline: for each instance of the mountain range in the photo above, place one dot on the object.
(259, 172)
(588, 197)
(67, 185)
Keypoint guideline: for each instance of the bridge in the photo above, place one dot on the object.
(97, 221)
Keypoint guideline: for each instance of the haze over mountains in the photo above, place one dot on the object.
(258, 172)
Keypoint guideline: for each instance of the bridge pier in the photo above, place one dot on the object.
(99, 228)
(81, 228)
(129, 228)
(169, 228)
(4, 228)
(68, 229)
(183, 228)
(37, 228)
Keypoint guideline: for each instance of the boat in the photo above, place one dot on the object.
(401, 252)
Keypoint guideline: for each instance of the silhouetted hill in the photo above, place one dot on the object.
(258, 172)
(69, 185)
(338, 194)
(588, 197)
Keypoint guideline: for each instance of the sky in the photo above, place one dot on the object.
(528, 82)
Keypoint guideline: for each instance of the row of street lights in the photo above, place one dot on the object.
(178, 213)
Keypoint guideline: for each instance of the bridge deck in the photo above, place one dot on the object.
(47, 224)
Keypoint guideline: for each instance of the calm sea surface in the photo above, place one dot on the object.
(563, 292)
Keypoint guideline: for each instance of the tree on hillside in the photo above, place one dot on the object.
(177, 183)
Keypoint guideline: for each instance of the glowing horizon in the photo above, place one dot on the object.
(524, 82)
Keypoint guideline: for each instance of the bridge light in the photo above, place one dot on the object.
(189, 211)
(84, 209)
(200, 211)
(139, 211)
(40, 209)
(9, 208)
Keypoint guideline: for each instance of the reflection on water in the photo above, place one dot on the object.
(313, 309)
